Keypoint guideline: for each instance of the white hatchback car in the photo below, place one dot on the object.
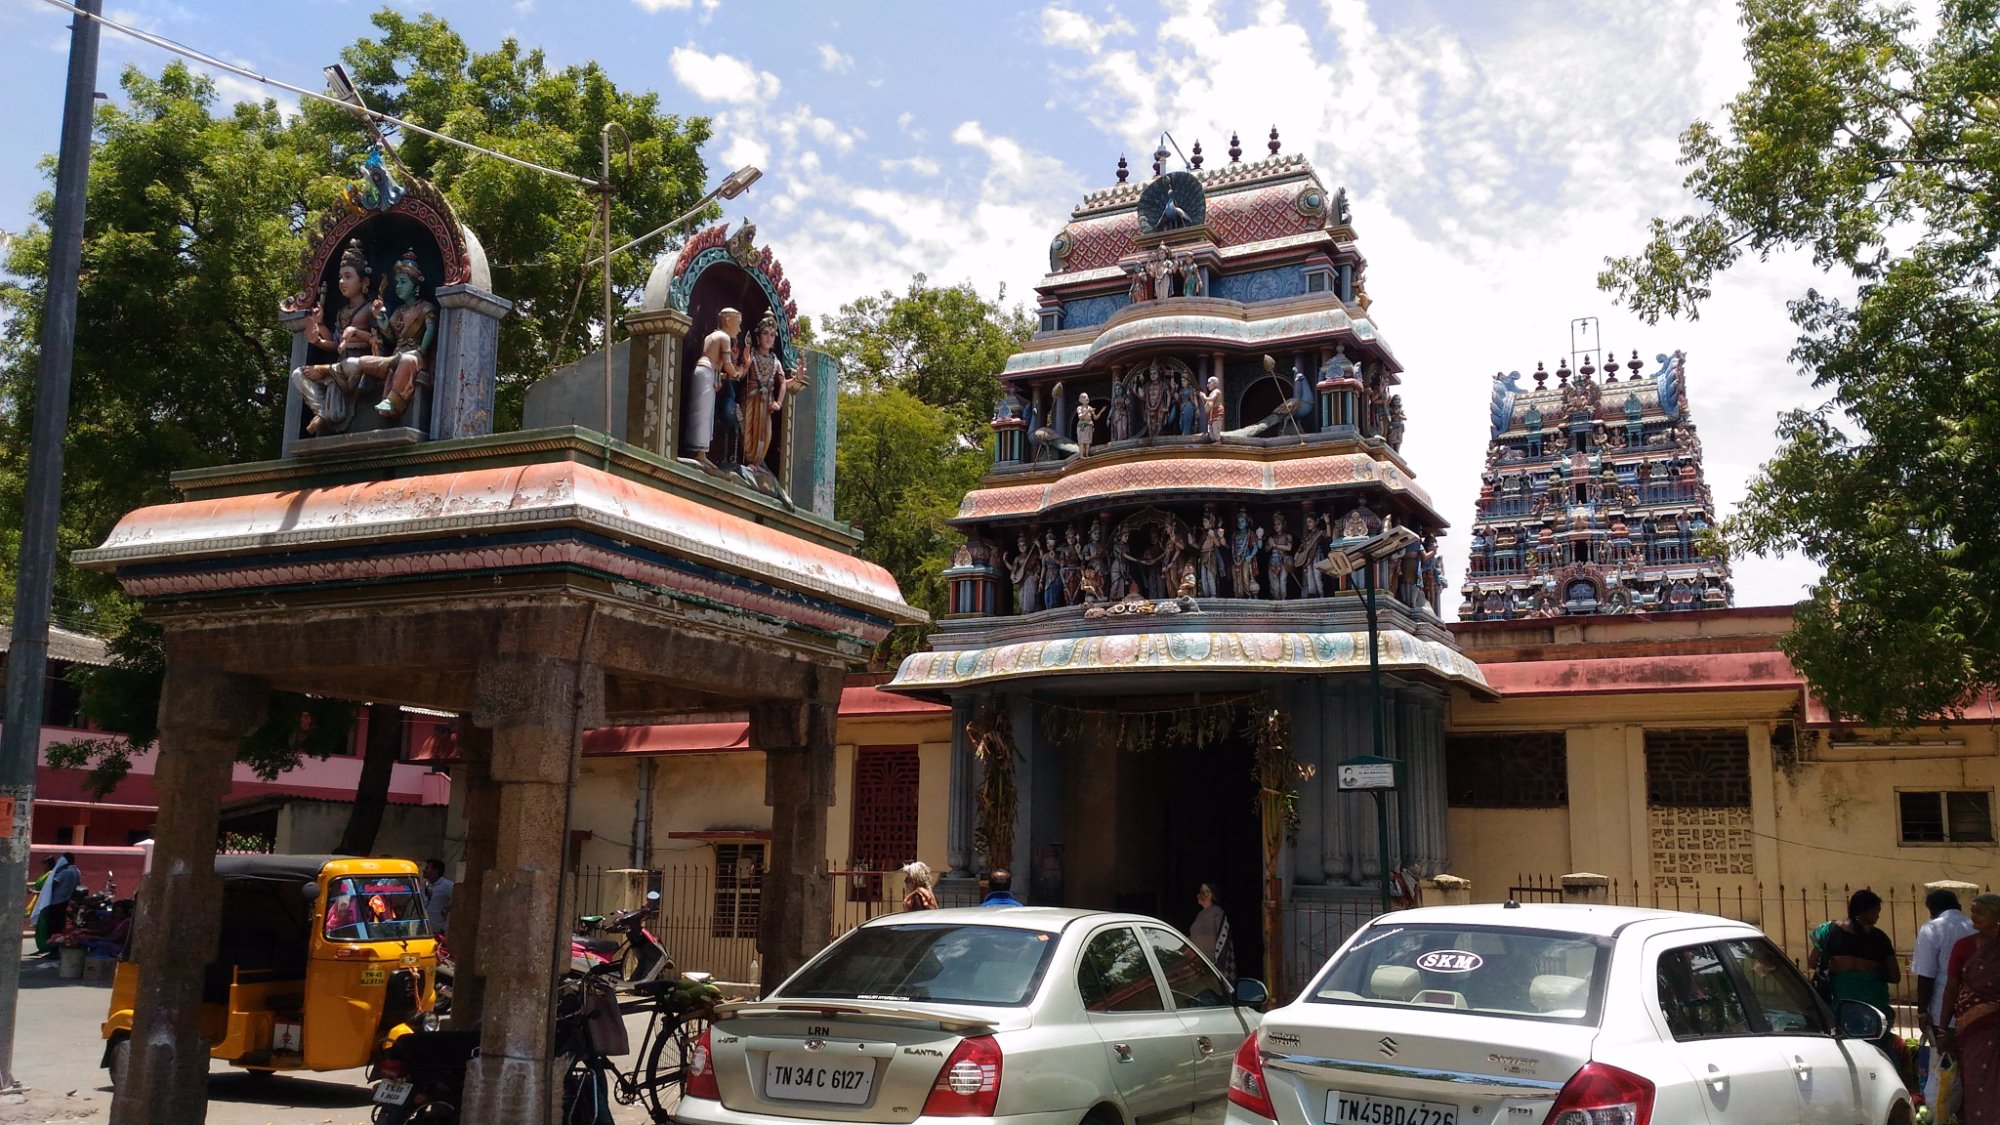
(1029, 1015)
(1563, 1015)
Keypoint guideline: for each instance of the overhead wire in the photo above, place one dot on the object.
(207, 59)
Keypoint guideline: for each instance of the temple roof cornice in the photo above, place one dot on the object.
(1207, 323)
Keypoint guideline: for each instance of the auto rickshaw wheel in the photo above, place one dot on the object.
(120, 1060)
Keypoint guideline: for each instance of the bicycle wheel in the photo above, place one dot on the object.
(666, 1067)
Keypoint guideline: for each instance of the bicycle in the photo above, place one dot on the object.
(679, 1009)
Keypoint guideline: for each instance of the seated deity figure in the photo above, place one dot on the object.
(410, 327)
(329, 390)
(720, 359)
(766, 383)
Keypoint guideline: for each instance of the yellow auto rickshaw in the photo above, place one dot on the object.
(322, 962)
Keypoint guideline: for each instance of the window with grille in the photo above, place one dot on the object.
(1529, 770)
(1951, 816)
(1698, 768)
(739, 890)
(885, 815)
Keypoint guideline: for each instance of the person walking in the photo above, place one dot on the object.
(1931, 963)
(437, 896)
(1861, 961)
(52, 912)
(1000, 889)
(917, 883)
(1210, 932)
(1972, 997)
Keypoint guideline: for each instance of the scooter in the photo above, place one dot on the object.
(594, 954)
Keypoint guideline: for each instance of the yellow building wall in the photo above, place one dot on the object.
(1536, 843)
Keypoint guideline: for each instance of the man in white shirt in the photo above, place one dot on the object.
(437, 900)
(1934, 941)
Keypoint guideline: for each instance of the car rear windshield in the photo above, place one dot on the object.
(1493, 970)
(375, 908)
(966, 964)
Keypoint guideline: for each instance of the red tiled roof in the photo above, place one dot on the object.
(1722, 671)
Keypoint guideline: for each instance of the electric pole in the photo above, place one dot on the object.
(27, 656)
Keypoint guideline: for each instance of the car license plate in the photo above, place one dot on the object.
(1366, 1109)
(809, 1076)
(392, 1093)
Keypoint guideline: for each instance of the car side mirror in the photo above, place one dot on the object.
(1858, 1019)
(1251, 993)
(310, 890)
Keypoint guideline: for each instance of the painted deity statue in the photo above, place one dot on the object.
(1305, 562)
(1072, 567)
(329, 390)
(1160, 271)
(1278, 560)
(1171, 561)
(1086, 422)
(720, 359)
(766, 383)
(1213, 549)
(1051, 572)
(1244, 547)
(1193, 284)
(410, 328)
(1024, 570)
(1211, 401)
(1190, 406)
(1158, 403)
(1121, 566)
(1121, 410)
(1097, 558)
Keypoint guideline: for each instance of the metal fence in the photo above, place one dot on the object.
(1314, 928)
(708, 915)
(1787, 914)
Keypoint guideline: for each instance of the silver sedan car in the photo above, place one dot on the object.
(1031, 1015)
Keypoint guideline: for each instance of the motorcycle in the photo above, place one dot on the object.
(630, 939)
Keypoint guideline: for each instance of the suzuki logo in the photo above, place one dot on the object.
(1388, 1047)
(815, 1044)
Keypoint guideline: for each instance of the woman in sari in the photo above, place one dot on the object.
(1972, 996)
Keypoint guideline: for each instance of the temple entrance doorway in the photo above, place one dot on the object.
(1147, 827)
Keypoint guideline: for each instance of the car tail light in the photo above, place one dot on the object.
(1246, 1080)
(699, 1081)
(1602, 1095)
(968, 1084)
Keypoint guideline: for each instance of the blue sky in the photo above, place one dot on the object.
(1494, 154)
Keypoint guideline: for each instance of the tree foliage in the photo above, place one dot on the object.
(196, 221)
(922, 378)
(1878, 152)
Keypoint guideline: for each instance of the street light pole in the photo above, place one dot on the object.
(27, 656)
(1375, 711)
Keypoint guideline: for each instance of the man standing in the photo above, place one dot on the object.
(437, 898)
(1000, 889)
(53, 911)
(1934, 941)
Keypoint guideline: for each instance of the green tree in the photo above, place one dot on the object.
(944, 345)
(196, 226)
(1878, 152)
(921, 378)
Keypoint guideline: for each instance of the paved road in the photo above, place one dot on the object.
(57, 1046)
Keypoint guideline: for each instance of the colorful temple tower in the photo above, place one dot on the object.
(1195, 453)
(1593, 499)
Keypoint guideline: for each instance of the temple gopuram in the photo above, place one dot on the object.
(1161, 589)
(1593, 499)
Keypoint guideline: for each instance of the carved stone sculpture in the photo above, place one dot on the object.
(1278, 559)
(720, 359)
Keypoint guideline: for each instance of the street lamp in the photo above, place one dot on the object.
(1363, 556)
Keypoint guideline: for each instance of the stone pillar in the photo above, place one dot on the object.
(1586, 887)
(536, 708)
(654, 378)
(961, 795)
(467, 363)
(295, 407)
(1419, 722)
(797, 908)
(474, 782)
(204, 715)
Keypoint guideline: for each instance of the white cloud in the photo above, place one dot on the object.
(914, 166)
(665, 5)
(721, 78)
(834, 60)
(1064, 28)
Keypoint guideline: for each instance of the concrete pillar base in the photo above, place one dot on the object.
(501, 1088)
